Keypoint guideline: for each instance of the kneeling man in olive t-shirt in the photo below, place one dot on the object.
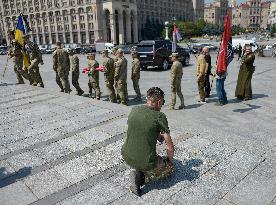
(146, 126)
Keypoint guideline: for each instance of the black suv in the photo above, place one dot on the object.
(156, 53)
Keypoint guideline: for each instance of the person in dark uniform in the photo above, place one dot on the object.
(239, 52)
(208, 60)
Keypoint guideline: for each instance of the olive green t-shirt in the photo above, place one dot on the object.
(144, 127)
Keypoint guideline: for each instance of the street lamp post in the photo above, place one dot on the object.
(167, 30)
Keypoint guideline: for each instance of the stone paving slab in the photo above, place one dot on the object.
(221, 179)
(16, 193)
(257, 188)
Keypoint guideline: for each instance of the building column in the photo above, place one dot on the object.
(5, 30)
(78, 27)
(70, 27)
(56, 26)
(135, 28)
(98, 20)
(112, 27)
(43, 31)
(49, 30)
(128, 28)
(86, 29)
(121, 28)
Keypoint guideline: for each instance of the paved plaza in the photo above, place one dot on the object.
(65, 149)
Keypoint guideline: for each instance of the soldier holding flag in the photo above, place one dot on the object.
(224, 58)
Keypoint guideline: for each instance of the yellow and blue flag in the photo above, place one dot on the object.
(19, 33)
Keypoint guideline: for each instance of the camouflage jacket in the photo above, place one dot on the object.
(201, 67)
(109, 68)
(247, 61)
(176, 72)
(121, 70)
(75, 64)
(61, 61)
(135, 71)
(93, 74)
(15, 50)
(33, 52)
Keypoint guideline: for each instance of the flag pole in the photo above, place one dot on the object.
(214, 74)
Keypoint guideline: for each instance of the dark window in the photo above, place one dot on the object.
(144, 48)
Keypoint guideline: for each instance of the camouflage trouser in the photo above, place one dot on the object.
(176, 89)
(94, 86)
(122, 91)
(136, 87)
(18, 65)
(35, 76)
(117, 92)
(163, 170)
(201, 91)
(63, 81)
(110, 89)
(75, 81)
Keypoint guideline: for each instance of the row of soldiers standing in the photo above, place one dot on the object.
(115, 73)
(26, 57)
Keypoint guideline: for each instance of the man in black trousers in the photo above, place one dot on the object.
(207, 57)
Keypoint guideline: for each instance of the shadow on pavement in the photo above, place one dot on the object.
(256, 96)
(192, 106)
(6, 84)
(181, 173)
(10, 178)
(251, 107)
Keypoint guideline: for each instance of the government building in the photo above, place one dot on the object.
(85, 22)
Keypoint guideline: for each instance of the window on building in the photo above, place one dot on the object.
(82, 26)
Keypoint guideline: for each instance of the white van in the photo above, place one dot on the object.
(100, 46)
(237, 41)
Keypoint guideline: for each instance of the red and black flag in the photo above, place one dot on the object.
(226, 53)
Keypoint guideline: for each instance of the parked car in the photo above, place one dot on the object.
(86, 50)
(125, 48)
(197, 48)
(156, 53)
(3, 50)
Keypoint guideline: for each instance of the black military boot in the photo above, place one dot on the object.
(137, 180)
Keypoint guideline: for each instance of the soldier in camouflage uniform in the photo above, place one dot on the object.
(109, 75)
(61, 65)
(93, 75)
(75, 71)
(176, 76)
(35, 58)
(201, 69)
(135, 75)
(120, 76)
(114, 52)
(15, 52)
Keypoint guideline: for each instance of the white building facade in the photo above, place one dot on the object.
(81, 22)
